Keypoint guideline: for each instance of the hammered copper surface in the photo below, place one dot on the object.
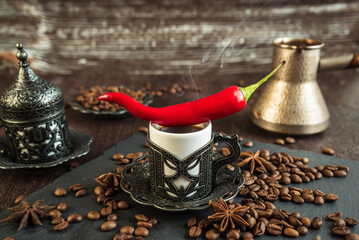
(291, 102)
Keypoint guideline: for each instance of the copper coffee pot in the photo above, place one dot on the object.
(291, 102)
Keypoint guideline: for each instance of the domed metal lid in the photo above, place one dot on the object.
(30, 97)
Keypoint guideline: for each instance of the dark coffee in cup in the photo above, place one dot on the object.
(184, 129)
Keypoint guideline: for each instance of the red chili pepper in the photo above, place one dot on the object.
(216, 106)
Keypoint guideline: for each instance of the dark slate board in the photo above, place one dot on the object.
(172, 225)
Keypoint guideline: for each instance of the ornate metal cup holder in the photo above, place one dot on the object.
(136, 182)
(80, 145)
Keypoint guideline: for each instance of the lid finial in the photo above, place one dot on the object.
(21, 55)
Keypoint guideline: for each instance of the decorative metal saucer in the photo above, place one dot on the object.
(138, 177)
(147, 100)
(80, 145)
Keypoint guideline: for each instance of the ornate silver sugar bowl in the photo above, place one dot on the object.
(33, 117)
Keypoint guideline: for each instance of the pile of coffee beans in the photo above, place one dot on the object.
(88, 97)
(262, 217)
(140, 231)
(175, 88)
(58, 221)
(284, 169)
(340, 227)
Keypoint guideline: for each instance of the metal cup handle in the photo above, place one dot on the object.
(232, 143)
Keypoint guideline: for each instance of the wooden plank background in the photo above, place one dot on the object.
(145, 37)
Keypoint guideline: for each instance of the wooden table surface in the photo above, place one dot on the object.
(340, 90)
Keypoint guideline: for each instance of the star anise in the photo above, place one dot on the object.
(227, 216)
(23, 213)
(110, 180)
(253, 159)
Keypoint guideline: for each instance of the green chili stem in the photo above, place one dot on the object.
(247, 91)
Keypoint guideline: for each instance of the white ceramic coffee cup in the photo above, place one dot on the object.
(181, 145)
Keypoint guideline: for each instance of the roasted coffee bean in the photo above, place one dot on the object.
(57, 220)
(253, 212)
(141, 217)
(80, 193)
(274, 229)
(147, 225)
(339, 223)
(248, 144)
(286, 197)
(123, 205)
(351, 221)
(294, 193)
(317, 222)
(75, 187)
(204, 223)
(327, 173)
(55, 213)
(99, 190)
(9, 238)
(247, 236)
(289, 140)
(334, 216)
(271, 197)
(308, 197)
(318, 175)
(298, 199)
(212, 234)
(262, 193)
(61, 226)
(101, 198)
(279, 141)
(62, 207)
(109, 192)
(340, 173)
(259, 229)
(340, 231)
(127, 230)
(117, 156)
(310, 175)
(74, 218)
(252, 222)
(233, 234)
(19, 199)
(294, 221)
(296, 215)
(195, 232)
(344, 168)
(279, 215)
(328, 151)
(352, 236)
(305, 179)
(285, 180)
(270, 205)
(331, 197)
(142, 232)
(291, 232)
(265, 154)
(192, 221)
(93, 215)
(153, 221)
(295, 178)
(306, 222)
(143, 129)
(302, 230)
(305, 160)
(318, 193)
(108, 226)
(319, 200)
(112, 217)
(106, 211)
(60, 192)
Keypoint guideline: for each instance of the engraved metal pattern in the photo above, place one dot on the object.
(200, 185)
(137, 176)
(291, 102)
(80, 145)
(33, 117)
(39, 143)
